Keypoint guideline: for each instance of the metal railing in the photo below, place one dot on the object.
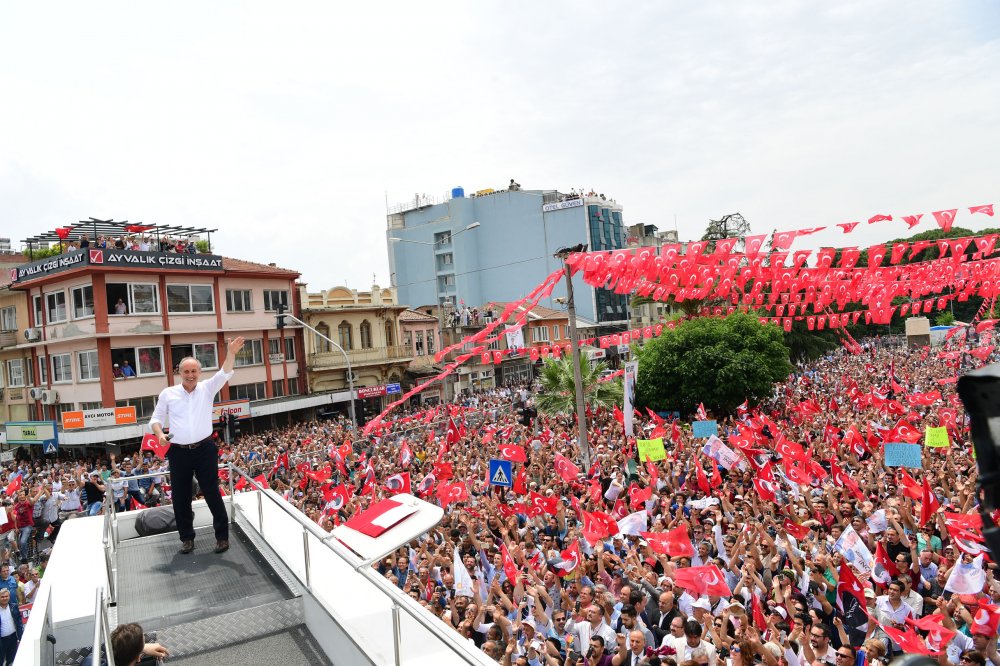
(334, 359)
(102, 631)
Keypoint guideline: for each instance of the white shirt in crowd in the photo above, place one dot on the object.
(189, 415)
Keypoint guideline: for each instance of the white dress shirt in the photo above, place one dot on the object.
(6, 622)
(189, 415)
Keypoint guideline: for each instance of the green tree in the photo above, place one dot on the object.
(719, 362)
(558, 394)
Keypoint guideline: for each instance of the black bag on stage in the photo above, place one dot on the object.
(157, 520)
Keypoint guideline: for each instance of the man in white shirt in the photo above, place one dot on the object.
(187, 407)
(10, 628)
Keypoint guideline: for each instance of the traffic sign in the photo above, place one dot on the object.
(393, 388)
(501, 473)
(50, 446)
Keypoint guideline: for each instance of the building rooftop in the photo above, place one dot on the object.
(230, 264)
(93, 228)
(414, 315)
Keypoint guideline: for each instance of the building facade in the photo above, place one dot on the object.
(104, 328)
(498, 246)
(645, 311)
(422, 336)
(366, 325)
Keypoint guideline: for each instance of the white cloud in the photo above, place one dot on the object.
(286, 126)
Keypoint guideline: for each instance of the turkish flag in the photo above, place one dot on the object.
(675, 542)
(759, 620)
(945, 218)
(701, 413)
(405, 455)
(565, 468)
(261, 480)
(909, 640)
(320, 476)
(344, 449)
(135, 505)
(398, 483)
(985, 210)
(702, 580)
(883, 569)
(335, 497)
(513, 452)
(847, 227)
(150, 442)
(452, 492)
(928, 503)
(639, 496)
(510, 569)
(379, 518)
(796, 530)
(701, 478)
(570, 562)
(452, 436)
(765, 488)
(912, 220)
(549, 505)
(521, 481)
(986, 620)
(14, 485)
(443, 471)
(598, 525)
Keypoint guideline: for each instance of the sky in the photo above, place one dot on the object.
(290, 126)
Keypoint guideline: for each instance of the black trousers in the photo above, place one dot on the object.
(8, 648)
(201, 463)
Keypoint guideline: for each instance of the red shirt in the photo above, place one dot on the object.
(24, 514)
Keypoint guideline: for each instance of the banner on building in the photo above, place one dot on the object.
(631, 374)
(98, 418)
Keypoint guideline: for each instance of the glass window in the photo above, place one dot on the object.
(346, 335)
(83, 302)
(566, 331)
(143, 406)
(366, 335)
(150, 360)
(420, 343)
(540, 334)
(289, 349)
(293, 386)
(91, 405)
(251, 354)
(248, 391)
(442, 238)
(430, 341)
(322, 344)
(136, 361)
(277, 388)
(205, 352)
(62, 368)
(407, 338)
(188, 298)
(55, 304)
(8, 318)
(275, 297)
(15, 372)
(238, 300)
(43, 370)
(87, 365)
(390, 336)
(143, 299)
(38, 310)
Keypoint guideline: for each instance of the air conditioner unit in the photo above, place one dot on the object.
(32, 334)
(50, 397)
(36, 393)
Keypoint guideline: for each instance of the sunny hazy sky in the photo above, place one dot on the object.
(288, 125)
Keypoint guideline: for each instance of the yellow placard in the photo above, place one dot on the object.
(652, 449)
(936, 437)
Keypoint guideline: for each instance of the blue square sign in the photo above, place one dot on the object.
(501, 473)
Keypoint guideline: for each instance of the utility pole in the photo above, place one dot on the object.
(574, 337)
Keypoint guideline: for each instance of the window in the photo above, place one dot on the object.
(275, 297)
(238, 300)
(251, 354)
(8, 318)
(37, 300)
(55, 305)
(540, 334)
(390, 336)
(447, 259)
(205, 352)
(43, 370)
(289, 349)
(15, 373)
(91, 405)
(62, 368)
(494, 346)
(275, 346)
(128, 298)
(189, 298)
(420, 343)
(445, 281)
(83, 301)
(442, 238)
(407, 339)
(277, 388)
(566, 331)
(143, 406)
(346, 337)
(322, 344)
(248, 391)
(293, 386)
(366, 334)
(430, 341)
(137, 361)
(87, 365)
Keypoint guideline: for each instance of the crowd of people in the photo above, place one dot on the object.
(135, 242)
(793, 543)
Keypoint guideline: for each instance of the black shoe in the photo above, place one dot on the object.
(187, 547)
(222, 545)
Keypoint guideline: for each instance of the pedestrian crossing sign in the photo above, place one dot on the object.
(501, 473)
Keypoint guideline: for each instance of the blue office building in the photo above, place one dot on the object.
(497, 246)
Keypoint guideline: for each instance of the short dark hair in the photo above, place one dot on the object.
(127, 642)
(692, 628)
(629, 609)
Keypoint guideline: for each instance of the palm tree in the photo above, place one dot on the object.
(558, 394)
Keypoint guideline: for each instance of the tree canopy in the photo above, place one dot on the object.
(558, 394)
(717, 361)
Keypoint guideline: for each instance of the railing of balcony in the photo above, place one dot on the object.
(334, 359)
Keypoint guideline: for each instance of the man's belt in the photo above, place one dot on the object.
(195, 445)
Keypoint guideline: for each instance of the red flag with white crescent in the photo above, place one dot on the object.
(398, 483)
(513, 453)
(570, 562)
(565, 468)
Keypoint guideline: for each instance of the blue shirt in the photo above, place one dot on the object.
(11, 584)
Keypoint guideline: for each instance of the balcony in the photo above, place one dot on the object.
(8, 339)
(333, 360)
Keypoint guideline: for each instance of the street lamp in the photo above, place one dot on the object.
(574, 338)
(440, 310)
